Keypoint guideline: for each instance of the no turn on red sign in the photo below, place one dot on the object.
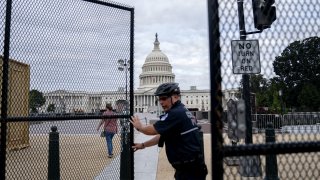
(245, 56)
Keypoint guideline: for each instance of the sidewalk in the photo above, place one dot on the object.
(145, 161)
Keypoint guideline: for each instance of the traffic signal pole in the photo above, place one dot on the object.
(245, 77)
(250, 166)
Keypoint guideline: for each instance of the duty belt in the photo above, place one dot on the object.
(198, 158)
(184, 162)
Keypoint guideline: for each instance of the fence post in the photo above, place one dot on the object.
(271, 159)
(201, 140)
(54, 159)
(125, 158)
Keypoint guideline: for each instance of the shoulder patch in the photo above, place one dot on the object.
(191, 117)
(164, 117)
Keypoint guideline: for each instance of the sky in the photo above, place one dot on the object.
(75, 45)
(182, 28)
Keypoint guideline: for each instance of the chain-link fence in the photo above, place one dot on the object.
(274, 68)
(62, 63)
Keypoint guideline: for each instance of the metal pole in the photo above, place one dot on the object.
(4, 91)
(126, 68)
(245, 77)
(281, 102)
(215, 86)
(125, 157)
(131, 66)
(201, 141)
(271, 159)
(250, 166)
(54, 156)
(126, 169)
(281, 109)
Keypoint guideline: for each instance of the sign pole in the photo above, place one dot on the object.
(245, 77)
(250, 166)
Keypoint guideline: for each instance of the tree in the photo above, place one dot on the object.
(51, 108)
(36, 100)
(297, 67)
(259, 85)
(276, 106)
(309, 98)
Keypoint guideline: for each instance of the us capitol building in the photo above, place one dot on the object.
(155, 71)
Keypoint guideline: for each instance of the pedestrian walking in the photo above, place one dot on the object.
(110, 128)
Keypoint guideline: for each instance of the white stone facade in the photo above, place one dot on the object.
(155, 71)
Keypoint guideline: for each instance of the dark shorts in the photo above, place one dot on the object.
(196, 170)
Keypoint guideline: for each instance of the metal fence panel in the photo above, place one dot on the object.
(282, 140)
(66, 61)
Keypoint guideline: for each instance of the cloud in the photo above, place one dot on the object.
(183, 35)
(74, 45)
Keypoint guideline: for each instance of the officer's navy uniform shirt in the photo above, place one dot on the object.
(179, 131)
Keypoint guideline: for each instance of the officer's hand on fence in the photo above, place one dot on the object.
(135, 121)
(137, 146)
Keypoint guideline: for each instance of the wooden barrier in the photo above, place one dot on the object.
(18, 103)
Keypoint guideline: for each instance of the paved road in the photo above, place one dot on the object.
(88, 126)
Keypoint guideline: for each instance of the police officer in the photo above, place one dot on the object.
(177, 128)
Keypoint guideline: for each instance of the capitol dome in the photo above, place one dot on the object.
(156, 54)
(156, 68)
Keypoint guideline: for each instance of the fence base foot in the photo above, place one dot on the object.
(250, 166)
(232, 161)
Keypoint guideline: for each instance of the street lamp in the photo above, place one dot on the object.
(124, 65)
(62, 104)
(281, 103)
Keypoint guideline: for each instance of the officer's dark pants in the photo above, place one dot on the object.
(190, 171)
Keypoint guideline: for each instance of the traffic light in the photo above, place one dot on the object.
(236, 119)
(264, 13)
(241, 118)
(232, 120)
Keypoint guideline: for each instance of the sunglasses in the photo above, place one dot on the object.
(163, 98)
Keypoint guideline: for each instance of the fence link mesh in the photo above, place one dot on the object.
(285, 93)
(67, 61)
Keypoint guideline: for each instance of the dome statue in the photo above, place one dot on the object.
(156, 68)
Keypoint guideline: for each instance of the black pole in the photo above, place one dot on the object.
(127, 156)
(126, 69)
(125, 164)
(54, 156)
(281, 102)
(201, 141)
(4, 90)
(216, 94)
(250, 166)
(281, 112)
(271, 159)
(245, 78)
(131, 92)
